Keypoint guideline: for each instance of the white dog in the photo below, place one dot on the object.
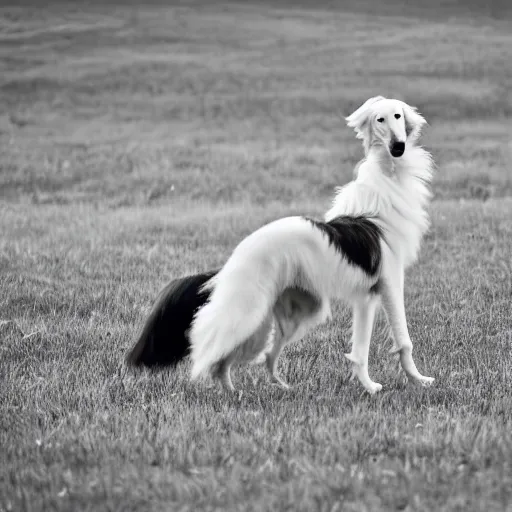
(281, 278)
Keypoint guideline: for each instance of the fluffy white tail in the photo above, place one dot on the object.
(238, 306)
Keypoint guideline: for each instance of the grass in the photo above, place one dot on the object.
(140, 143)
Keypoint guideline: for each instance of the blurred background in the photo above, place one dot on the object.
(185, 103)
(140, 141)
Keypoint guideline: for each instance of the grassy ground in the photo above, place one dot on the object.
(141, 143)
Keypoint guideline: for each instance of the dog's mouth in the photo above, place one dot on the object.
(397, 149)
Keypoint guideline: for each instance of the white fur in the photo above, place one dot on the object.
(286, 252)
(291, 252)
(397, 198)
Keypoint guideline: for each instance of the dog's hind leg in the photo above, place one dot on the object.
(271, 363)
(223, 373)
(273, 356)
(391, 288)
(286, 334)
(295, 312)
(247, 351)
(362, 327)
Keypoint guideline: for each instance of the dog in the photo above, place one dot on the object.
(279, 281)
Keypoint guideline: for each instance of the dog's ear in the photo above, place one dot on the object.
(414, 122)
(359, 119)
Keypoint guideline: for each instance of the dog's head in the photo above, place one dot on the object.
(386, 122)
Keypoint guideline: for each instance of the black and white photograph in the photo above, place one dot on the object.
(256, 256)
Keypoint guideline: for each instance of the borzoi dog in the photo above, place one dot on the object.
(279, 281)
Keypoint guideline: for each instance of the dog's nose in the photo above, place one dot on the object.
(397, 148)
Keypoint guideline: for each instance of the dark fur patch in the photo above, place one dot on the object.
(376, 288)
(357, 238)
(163, 340)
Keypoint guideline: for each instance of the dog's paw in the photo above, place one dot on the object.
(425, 382)
(373, 387)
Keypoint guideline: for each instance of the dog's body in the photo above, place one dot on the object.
(279, 281)
(288, 271)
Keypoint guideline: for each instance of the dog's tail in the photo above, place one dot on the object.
(163, 340)
(243, 294)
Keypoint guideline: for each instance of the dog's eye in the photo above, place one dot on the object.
(397, 116)
(380, 120)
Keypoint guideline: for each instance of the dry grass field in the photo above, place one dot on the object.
(141, 141)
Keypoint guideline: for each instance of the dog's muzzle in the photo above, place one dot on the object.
(397, 149)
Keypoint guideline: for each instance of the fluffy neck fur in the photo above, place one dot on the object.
(395, 192)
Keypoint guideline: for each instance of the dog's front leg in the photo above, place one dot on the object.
(362, 327)
(392, 293)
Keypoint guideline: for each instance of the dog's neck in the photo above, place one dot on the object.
(394, 192)
(379, 154)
